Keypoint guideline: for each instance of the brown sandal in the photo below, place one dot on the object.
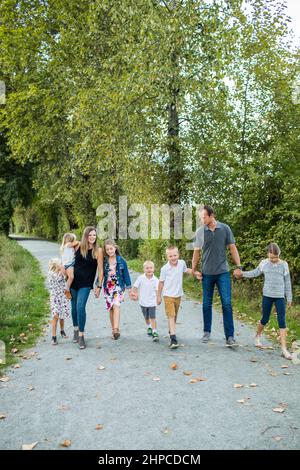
(116, 333)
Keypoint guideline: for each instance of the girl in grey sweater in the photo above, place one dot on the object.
(277, 288)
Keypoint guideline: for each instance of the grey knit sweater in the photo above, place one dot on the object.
(277, 278)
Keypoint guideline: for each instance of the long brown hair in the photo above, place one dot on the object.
(84, 244)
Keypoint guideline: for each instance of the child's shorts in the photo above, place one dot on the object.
(172, 305)
(149, 312)
(69, 265)
(267, 305)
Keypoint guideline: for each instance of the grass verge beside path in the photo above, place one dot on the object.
(23, 300)
(246, 299)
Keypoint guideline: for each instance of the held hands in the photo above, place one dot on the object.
(238, 273)
(158, 299)
(197, 275)
(132, 294)
(97, 291)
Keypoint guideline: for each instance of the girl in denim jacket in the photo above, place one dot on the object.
(116, 280)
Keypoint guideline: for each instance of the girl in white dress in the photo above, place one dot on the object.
(59, 304)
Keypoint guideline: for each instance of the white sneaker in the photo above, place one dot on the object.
(257, 342)
(286, 354)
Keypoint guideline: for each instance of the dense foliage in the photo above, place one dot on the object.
(164, 101)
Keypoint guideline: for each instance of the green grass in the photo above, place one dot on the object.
(23, 299)
(246, 299)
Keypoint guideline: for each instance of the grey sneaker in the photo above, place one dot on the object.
(75, 337)
(231, 342)
(205, 337)
(81, 342)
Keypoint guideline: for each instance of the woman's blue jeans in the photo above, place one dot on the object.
(78, 304)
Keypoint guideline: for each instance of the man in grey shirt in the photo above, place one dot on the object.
(213, 239)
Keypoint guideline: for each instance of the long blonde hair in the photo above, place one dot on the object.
(67, 238)
(84, 244)
(54, 264)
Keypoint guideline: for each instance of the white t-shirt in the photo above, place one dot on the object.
(172, 277)
(147, 290)
(68, 255)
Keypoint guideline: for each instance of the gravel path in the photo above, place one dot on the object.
(138, 399)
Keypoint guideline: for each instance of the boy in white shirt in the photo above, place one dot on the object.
(170, 285)
(145, 287)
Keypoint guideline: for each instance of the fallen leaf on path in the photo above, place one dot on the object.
(63, 407)
(187, 372)
(200, 379)
(30, 387)
(156, 379)
(66, 443)
(174, 366)
(277, 438)
(253, 359)
(29, 446)
(100, 368)
(4, 379)
(3, 416)
(243, 400)
(17, 366)
(284, 366)
(279, 409)
(238, 385)
(14, 350)
(272, 372)
(193, 381)
(166, 431)
(287, 373)
(98, 427)
(253, 384)
(68, 358)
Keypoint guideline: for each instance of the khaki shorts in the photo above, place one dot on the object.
(172, 306)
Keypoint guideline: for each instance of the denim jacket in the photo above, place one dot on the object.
(121, 270)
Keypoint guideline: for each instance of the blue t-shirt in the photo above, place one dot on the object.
(213, 245)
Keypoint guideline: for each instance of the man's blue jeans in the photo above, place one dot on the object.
(78, 303)
(224, 287)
